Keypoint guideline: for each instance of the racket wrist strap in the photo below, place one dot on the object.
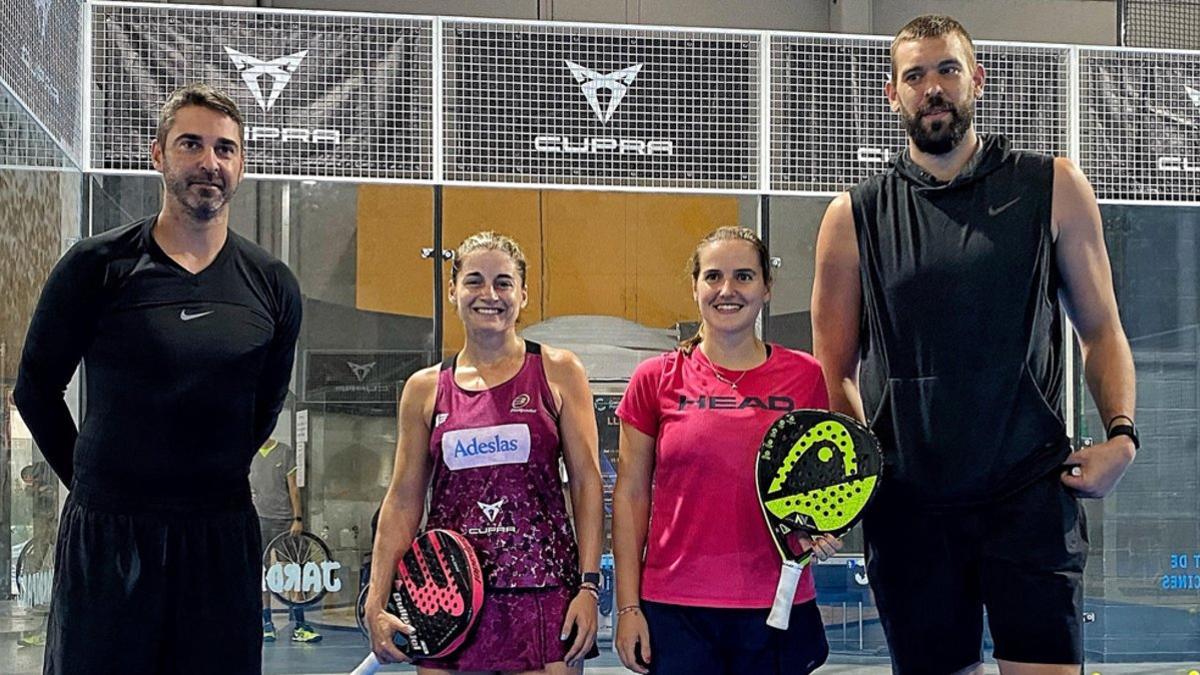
(785, 594)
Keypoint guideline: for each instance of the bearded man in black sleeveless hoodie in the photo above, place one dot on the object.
(936, 313)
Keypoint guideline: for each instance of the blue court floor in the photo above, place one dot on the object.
(341, 650)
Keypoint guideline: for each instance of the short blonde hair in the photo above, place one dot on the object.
(488, 241)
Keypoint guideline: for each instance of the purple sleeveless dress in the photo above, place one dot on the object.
(496, 479)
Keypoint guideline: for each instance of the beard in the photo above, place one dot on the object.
(201, 203)
(941, 136)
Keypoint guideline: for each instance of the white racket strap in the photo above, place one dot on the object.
(785, 594)
(368, 666)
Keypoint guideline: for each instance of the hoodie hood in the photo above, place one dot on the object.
(993, 149)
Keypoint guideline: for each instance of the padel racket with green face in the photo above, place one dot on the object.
(816, 472)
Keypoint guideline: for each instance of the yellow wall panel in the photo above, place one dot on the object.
(664, 232)
(605, 253)
(394, 223)
(587, 256)
(516, 213)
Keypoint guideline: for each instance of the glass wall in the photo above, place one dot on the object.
(1143, 580)
(40, 215)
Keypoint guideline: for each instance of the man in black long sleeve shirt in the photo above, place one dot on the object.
(187, 334)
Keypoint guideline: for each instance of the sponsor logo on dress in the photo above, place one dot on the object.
(491, 512)
(487, 446)
(520, 404)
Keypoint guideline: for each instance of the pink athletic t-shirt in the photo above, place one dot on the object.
(708, 544)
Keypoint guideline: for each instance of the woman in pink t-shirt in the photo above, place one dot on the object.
(691, 422)
(484, 433)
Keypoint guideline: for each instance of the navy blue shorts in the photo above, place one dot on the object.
(692, 640)
(1022, 558)
(141, 590)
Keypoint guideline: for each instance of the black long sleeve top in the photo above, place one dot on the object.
(184, 374)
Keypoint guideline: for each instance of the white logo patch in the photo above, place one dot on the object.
(490, 511)
(591, 82)
(520, 404)
(184, 316)
(361, 370)
(487, 446)
(1193, 94)
(279, 69)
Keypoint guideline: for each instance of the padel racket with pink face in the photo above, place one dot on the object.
(816, 472)
(438, 591)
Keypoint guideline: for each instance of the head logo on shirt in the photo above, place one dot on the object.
(778, 403)
(486, 446)
(520, 404)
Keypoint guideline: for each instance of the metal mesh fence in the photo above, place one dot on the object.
(549, 104)
(23, 143)
(831, 125)
(324, 95)
(41, 61)
(1160, 24)
(1140, 124)
(332, 95)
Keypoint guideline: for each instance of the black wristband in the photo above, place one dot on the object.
(297, 519)
(1118, 417)
(591, 578)
(1125, 430)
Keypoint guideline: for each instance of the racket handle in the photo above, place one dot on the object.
(785, 594)
(368, 666)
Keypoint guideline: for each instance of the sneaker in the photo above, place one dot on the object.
(305, 633)
(36, 639)
(268, 632)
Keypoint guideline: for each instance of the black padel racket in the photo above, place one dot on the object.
(816, 472)
(438, 591)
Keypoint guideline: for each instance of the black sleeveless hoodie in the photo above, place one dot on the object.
(961, 336)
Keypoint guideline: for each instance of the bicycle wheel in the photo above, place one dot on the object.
(290, 563)
(360, 611)
(34, 570)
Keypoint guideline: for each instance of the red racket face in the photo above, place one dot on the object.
(439, 590)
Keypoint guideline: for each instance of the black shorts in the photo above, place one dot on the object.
(1022, 558)
(691, 640)
(163, 590)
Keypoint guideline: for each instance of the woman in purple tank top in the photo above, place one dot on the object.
(483, 433)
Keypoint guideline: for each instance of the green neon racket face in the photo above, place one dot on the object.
(816, 472)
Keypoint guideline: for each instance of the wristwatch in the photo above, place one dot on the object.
(591, 578)
(1129, 430)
